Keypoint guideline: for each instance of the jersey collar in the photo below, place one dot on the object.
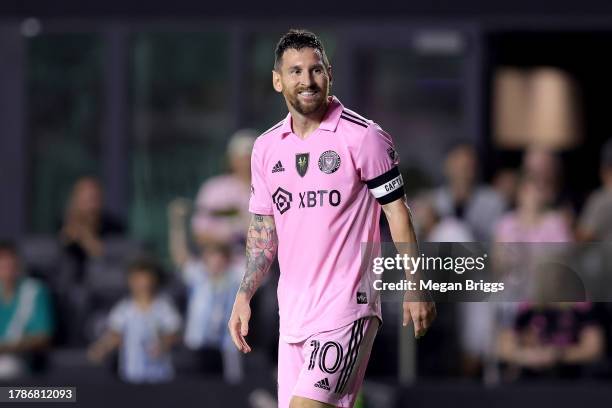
(330, 120)
(332, 116)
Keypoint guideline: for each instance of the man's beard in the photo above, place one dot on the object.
(304, 109)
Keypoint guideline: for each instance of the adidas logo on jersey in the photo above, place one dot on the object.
(278, 167)
(324, 384)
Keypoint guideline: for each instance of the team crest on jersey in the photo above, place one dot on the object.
(301, 163)
(329, 162)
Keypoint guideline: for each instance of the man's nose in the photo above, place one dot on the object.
(307, 79)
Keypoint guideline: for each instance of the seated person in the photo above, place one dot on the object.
(85, 224)
(145, 326)
(26, 323)
(552, 339)
(595, 223)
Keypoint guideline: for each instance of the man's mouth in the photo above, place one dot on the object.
(308, 94)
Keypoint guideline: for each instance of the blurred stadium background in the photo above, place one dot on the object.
(140, 101)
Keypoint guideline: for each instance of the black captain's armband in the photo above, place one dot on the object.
(387, 187)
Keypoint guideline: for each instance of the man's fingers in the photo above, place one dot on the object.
(407, 315)
(422, 315)
(244, 326)
(419, 329)
(233, 329)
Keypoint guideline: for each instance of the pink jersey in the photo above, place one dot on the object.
(323, 193)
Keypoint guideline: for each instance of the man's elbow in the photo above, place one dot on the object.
(397, 212)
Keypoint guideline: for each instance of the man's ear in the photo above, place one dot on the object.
(329, 74)
(276, 81)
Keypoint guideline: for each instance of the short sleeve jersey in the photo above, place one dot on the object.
(325, 193)
(141, 330)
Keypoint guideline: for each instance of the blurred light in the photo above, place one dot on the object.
(30, 27)
(438, 42)
(535, 107)
(510, 110)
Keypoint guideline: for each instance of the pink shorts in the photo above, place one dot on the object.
(328, 367)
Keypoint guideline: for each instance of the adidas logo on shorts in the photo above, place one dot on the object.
(324, 383)
(278, 167)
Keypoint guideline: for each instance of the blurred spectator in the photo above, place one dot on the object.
(505, 183)
(595, 223)
(479, 206)
(26, 323)
(474, 327)
(552, 339)
(432, 228)
(221, 213)
(212, 282)
(145, 325)
(85, 224)
(545, 169)
(533, 220)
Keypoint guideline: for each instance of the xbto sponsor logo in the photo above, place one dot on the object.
(282, 199)
(319, 198)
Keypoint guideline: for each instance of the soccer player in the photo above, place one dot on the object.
(319, 180)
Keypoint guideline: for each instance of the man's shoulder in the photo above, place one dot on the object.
(35, 287)
(355, 122)
(600, 197)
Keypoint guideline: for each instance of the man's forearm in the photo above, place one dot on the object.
(27, 344)
(402, 228)
(261, 246)
(404, 237)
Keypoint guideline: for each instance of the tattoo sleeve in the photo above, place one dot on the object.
(261, 246)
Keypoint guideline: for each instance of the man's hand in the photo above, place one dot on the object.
(421, 313)
(239, 322)
(538, 358)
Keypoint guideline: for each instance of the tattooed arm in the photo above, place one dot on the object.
(261, 246)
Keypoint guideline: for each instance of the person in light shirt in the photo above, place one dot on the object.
(319, 181)
(144, 326)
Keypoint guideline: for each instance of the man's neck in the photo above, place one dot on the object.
(304, 125)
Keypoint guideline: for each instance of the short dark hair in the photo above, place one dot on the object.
(457, 144)
(149, 265)
(9, 247)
(297, 39)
